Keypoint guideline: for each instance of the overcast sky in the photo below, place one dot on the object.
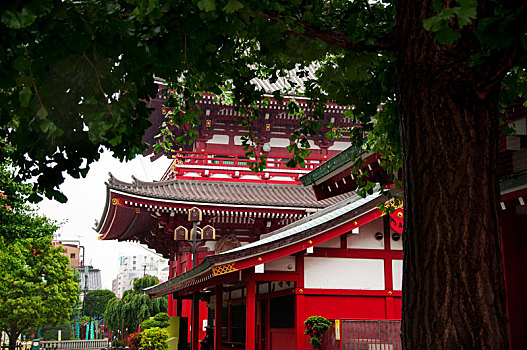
(86, 199)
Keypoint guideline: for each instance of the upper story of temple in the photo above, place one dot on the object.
(217, 153)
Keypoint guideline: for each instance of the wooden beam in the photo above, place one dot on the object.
(250, 321)
(218, 316)
(195, 321)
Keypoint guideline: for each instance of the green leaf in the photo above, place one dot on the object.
(447, 36)
(207, 5)
(232, 6)
(42, 113)
(18, 20)
(24, 96)
(48, 127)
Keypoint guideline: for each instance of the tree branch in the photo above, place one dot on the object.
(185, 37)
(331, 37)
(36, 90)
(341, 40)
(99, 81)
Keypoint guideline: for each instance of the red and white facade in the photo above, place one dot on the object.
(340, 263)
(213, 174)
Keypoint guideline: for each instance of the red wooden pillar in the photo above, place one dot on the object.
(218, 317)
(388, 271)
(171, 311)
(300, 304)
(299, 320)
(250, 322)
(195, 321)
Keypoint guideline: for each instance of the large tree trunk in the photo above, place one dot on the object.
(453, 289)
(13, 336)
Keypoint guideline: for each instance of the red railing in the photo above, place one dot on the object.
(208, 164)
(371, 335)
(363, 335)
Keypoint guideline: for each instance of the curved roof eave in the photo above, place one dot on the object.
(204, 271)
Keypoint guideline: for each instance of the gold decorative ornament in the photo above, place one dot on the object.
(223, 269)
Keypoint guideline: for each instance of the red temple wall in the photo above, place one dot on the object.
(514, 236)
(351, 307)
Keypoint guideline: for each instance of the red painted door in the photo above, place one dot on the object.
(283, 338)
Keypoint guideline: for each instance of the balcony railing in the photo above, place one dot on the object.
(207, 164)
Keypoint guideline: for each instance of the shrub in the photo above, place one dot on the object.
(160, 321)
(154, 339)
(316, 326)
(134, 341)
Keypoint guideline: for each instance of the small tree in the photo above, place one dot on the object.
(316, 326)
(96, 302)
(154, 339)
(127, 313)
(37, 286)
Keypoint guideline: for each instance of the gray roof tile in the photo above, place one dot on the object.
(257, 194)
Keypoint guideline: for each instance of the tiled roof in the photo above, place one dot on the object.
(338, 161)
(306, 228)
(219, 192)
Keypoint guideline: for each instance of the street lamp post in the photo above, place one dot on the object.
(181, 234)
(207, 233)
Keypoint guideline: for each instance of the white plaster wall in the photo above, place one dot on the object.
(250, 177)
(397, 274)
(287, 263)
(366, 237)
(279, 142)
(219, 139)
(192, 174)
(332, 243)
(396, 245)
(220, 176)
(282, 178)
(344, 273)
(339, 146)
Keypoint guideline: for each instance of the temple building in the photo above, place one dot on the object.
(252, 255)
(214, 175)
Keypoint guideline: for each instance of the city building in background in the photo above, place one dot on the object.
(90, 279)
(137, 266)
(72, 251)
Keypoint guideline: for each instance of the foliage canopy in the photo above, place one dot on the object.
(96, 302)
(76, 75)
(37, 286)
(135, 307)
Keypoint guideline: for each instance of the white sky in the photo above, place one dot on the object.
(86, 199)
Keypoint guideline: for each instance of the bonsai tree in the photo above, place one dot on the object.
(160, 321)
(316, 326)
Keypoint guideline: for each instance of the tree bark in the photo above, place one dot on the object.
(453, 289)
(13, 336)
